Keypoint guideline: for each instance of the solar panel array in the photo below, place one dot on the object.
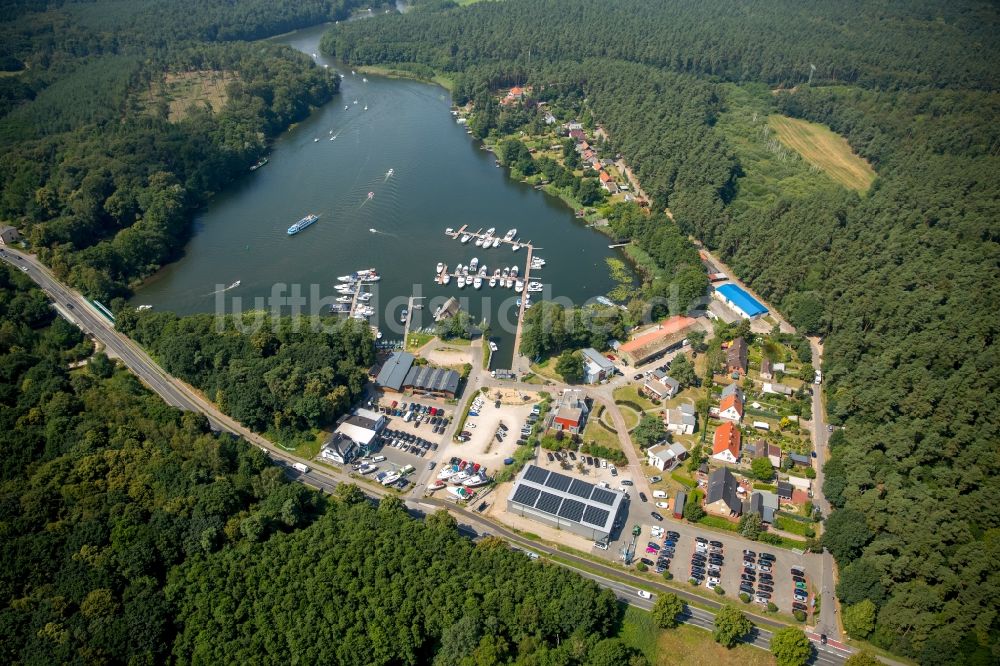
(558, 498)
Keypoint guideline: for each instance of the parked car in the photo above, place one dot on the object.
(644, 594)
(643, 497)
(600, 545)
(648, 562)
(550, 456)
(653, 545)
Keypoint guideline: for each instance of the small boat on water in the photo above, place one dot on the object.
(519, 286)
(402, 316)
(509, 283)
(513, 271)
(535, 286)
(506, 271)
(474, 264)
(479, 241)
(316, 140)
(493, 282)
(355, 101)
(372, 230)
(261, 162)
(509, 236)
(491, 231)
(345, 107)
(388, 174)
(366, 107)
(440, 267)
(461, 281)
(143, 308)
(449, 231)
(345, 299)
(493, 346)
(364, 297)
(496, 242)
(477, 282)
(445, 278)
(482, 271)
(515, 247)
(364, 80)
(465, 238)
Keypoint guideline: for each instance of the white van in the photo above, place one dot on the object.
(378, 459)
(408, 417)
(660, 494)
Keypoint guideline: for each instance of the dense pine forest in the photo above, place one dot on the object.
(901, 281)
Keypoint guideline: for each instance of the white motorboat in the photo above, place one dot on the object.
(391, 478)
(440, 267)
(496, 242)
(367, 468)
(493, 346)
(534, 286)
(447, 473)
(344, 289)
(491, 231)
(458, 268)
(474, 264)
(519, 286)
(345, 299)
(509, 236)
(402, 316)
(365, 297)
(458, 479)
(445, 278)
(461, 281)
(348, 278)
(515, 247)
(436, 485)
(449, 231)
(493, 282)
(477, 282)
(513, 271)
(477, 481)
(315, 140)
(479, 241)
(506, 271)
(465, 238)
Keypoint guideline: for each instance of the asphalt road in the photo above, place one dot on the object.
(80, 312)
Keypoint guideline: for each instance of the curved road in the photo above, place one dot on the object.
(79, 311)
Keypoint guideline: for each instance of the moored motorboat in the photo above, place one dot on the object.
(493, 346)
(515, 247)
(491, 231)
(465, 238)
(479, 241)
(493, 282)
(345, 299)
(445, 278)
(461, 281)
(513, 271)
(474, 264)
(477, 282)
(496, 242)
(518, 286)
(440, 267)
(509, 236)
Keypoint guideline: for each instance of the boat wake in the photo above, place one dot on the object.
(219, 291)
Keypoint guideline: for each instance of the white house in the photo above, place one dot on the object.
(680, 421)
(596, 368)
(777, 389)
(665, 456)
(354, 435)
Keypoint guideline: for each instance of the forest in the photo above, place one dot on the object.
(133, 534)
(901, 283)
(275, 375)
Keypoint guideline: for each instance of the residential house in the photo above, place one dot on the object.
(726, 443)
(777, 389)
(774, 455)
(734, 389)
(731, 408)
(766, 369)
(721, 497)
(757, 449)
(736, 357)
(800, 460)
(785, 490)
(354, 435)
(661, 389)
(610, 187)
(577, 134)
(8, 235)
(764, 504)
(666, 456)
(574, 127)
(339, 449)
(680, 421)
(604, 176)
(571, 413)
(596, 368)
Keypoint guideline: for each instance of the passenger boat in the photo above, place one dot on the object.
(436, 485)
(440, 267)
(509, 236)
(302, 224)
(477, 282)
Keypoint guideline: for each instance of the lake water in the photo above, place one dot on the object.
(441, 179)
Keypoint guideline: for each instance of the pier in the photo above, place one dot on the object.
(520, 311)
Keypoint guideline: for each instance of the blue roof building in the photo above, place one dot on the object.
(739, 300)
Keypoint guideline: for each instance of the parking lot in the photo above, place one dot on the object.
(485, 442)
(589, 469)
(715, 559)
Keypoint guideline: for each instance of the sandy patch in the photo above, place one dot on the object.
(447, 356)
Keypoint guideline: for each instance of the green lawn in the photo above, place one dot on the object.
(595, 432)
(418, 340)
(631, 394)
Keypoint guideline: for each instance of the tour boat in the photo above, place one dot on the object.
(465, 238)
(144, 307)
(509, 236)
(436, 485)
(440, 267)
(477, 282)
(234, 285)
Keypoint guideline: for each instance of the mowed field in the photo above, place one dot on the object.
(827, 150)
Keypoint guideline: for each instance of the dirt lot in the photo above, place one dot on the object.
(498, 511)
(483, 447)
(445, 356)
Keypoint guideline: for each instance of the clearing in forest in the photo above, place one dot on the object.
(183, 90)
(825, 149)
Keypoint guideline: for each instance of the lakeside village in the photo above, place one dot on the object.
(695, 427)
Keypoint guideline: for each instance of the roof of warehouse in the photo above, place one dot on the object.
(567, 497)
(429, 378)
(394, 370)
(741, 299)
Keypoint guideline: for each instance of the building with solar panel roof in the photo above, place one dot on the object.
(561, 501)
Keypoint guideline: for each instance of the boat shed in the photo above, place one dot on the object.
(394, 371)
(435, 381)
(567, 503)
(740, 301)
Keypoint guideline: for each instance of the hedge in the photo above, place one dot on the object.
(683, 480)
